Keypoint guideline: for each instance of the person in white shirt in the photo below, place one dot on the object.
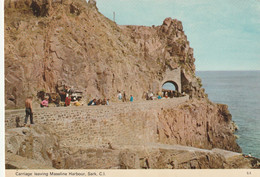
(119, 96)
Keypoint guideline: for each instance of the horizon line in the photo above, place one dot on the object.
(227, 70)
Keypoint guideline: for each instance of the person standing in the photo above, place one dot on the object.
(151, 96)
(119, 96)
(124, 97)
(104, 101)
(68, 97)
(160, 94)
(28, 110)
(131, 98)
(166, 94)
(147, 96)
(67, 101)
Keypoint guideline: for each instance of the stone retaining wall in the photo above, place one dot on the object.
(119, 123)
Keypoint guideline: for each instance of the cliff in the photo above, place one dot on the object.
(34, 154)
(150, 134)
(54, 43)
(63, 42)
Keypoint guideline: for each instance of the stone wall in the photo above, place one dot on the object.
(173, 76)
(119, 123)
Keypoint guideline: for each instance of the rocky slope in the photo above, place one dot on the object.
(191, 134)
(50, 43)
(38, 148)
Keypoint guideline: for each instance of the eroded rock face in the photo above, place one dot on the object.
(50, 43)
(193, 135)
(33, 147)
(53, 42)
(37, 143)
(198, 124)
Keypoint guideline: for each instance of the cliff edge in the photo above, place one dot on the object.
(54, 43)
(51, 43)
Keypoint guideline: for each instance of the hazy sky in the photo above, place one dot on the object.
(225, 34)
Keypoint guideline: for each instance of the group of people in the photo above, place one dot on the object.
(171, 93)
(161, 95)
(65, 95)
(98, 102)
(150, 96)
(122, 97)
(45, 102)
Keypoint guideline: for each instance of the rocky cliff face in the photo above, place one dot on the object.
(38, 148)
(50, 43)
(202, 124)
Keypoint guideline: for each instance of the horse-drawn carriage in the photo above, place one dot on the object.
(60, 95)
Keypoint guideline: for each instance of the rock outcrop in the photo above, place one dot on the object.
(202, 124)
(51, 43)
(38, 148)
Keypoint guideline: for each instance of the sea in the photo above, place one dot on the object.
(240, 90)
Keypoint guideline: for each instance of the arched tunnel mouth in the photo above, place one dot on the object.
(170, 89)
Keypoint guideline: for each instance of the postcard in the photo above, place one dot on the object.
(130, 87)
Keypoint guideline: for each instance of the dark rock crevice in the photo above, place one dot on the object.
(40, 9)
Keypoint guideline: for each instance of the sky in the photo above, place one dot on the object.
(168, 86)
(225, 34)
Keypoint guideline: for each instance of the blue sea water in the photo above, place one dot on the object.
(240, 90)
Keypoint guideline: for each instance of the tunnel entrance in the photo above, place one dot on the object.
(170, 89)
(169, 86)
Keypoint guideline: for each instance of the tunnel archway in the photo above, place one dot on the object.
(170, 89)
(170, 85)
